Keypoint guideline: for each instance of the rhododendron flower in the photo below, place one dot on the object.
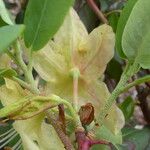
(72, 49)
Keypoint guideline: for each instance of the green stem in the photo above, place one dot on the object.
(136, 82)
(21, 63)
(127, 74)
(12, 56)
(113, 11)
(70, 107)
(30, 65)
(59, 100)
(26, 85)
(27, 71)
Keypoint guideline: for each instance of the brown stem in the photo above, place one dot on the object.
(62, 117)
(97, 11)
(57, 126)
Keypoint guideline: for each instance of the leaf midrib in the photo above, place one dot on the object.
(39, 24)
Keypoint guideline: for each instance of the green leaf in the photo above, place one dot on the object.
(127, 107)
(135, 39)
(7, 73)
(105, 134)
(5, 14)
(43, 19)
(121, 25)
(137, 138)
(9, 34)
(112, 71)
(113, 20)
(2, 23)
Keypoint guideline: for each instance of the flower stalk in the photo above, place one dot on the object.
(129, 71)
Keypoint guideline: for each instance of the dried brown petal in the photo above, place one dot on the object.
(86, 114)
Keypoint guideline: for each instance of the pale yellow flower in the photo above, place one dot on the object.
(72, 47)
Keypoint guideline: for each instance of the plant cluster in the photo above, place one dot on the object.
(52, 85)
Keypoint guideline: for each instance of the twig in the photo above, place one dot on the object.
(97, 11)
(62, 117)
(57, 126)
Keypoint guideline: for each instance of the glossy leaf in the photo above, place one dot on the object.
(5, 14)
(9, 34)
(121, 25)
(135, 39)
(127, 107)
(43, 19)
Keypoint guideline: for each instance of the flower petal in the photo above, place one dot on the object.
(49, 63)
(71, 36)
(100, 50)
(35, 133)
(94, 92)
(11, 92)
(114, 120)
(27, 142)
